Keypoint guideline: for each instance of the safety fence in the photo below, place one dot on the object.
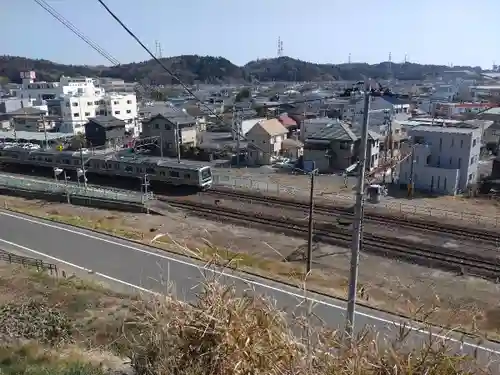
(39, 264)
(69, 188)
(396, 206)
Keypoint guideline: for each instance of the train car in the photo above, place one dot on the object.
(158, 170)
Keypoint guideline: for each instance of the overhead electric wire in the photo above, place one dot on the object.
(166, 69)
(54, 13)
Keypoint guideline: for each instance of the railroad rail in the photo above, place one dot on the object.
(417, 253)
(402, 221)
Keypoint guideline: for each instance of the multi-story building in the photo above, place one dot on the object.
(80, 99)
(456, 109)
(444, 160)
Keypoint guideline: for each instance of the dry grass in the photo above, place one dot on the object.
(473, 309)
(221, 333)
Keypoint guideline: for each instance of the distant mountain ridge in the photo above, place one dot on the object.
(210, 69)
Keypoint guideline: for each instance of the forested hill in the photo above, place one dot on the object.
(210, 69)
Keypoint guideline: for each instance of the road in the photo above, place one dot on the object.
(141, 267)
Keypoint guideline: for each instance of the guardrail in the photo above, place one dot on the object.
(69, 189)
(39, 264)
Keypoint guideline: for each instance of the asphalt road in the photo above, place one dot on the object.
(141, 267)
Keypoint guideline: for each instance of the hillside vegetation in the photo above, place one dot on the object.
(209, 69)
(77, 327)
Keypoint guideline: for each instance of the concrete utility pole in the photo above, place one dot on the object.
(358, 221)
(238, 135)
(84, 173)
(177, 142)
(310, 223)
(145, 190)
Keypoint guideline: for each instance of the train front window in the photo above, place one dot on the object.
(206, 173)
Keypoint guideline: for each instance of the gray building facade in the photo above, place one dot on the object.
(445, 159)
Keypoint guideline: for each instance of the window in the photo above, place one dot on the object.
(470, 177)
(345, 145)
(67, 104)
(451, 160)
(76, 114)
(440, 144)
(117, 112)
(75, 104)
(129, 101)
(157, 126)
(89, 103)
(167, 127)
(150, 171)
(87, 114)
(129, 111)
(461, 143)
(472, 160)
(174, 174)
(96, 102)
(101, 102)
(116, 102)
(474, 142)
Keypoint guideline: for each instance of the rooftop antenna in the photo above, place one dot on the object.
(280, 47)
(349, 59)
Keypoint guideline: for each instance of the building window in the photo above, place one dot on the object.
(470, 177)
(157, 126)
(101, 102)
(440, 144)
(117, 112)
(129, 101)
(474, 142)
(89, 103)
(129, 111)
(87, 114)
(75, 104)
(116, 102)
(96, 102)
(461, 143)
(472, 160)
(67, 104)
(76, 114)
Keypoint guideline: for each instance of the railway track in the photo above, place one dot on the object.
(417, 253)
(485, 236)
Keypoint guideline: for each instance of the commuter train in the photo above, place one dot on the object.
(115, 164)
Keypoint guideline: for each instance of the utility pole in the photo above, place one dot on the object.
(145, 189)
(178, 142)
(310, 224)
(42, 116)
(412, 162)
(82, 162)
(161, 144)
(358, 221)
(238, 127)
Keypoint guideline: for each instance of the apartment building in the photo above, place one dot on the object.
(444, 160)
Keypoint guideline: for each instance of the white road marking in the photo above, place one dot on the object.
(216, 272)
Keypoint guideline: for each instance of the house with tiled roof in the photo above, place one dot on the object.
(265, 141)
(335, 147)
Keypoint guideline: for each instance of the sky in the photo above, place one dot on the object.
(457, 32)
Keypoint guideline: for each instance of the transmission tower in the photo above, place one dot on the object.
(280, 47)
(158, 50)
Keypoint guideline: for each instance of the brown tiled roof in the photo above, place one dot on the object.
(273, 127)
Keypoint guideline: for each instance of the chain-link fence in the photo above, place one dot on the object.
(68, 188)
(272, 188)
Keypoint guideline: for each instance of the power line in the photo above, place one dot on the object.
(171, 73)
(76, 31)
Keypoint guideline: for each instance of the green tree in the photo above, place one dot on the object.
(243, 94)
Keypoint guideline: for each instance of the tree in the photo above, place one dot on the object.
(243, 94)
(4, 80)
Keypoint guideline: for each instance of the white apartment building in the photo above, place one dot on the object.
(77, 109)
(80, 99)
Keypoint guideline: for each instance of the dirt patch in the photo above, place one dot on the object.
(388, 284)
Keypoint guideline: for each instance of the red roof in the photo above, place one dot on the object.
(287, 121)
